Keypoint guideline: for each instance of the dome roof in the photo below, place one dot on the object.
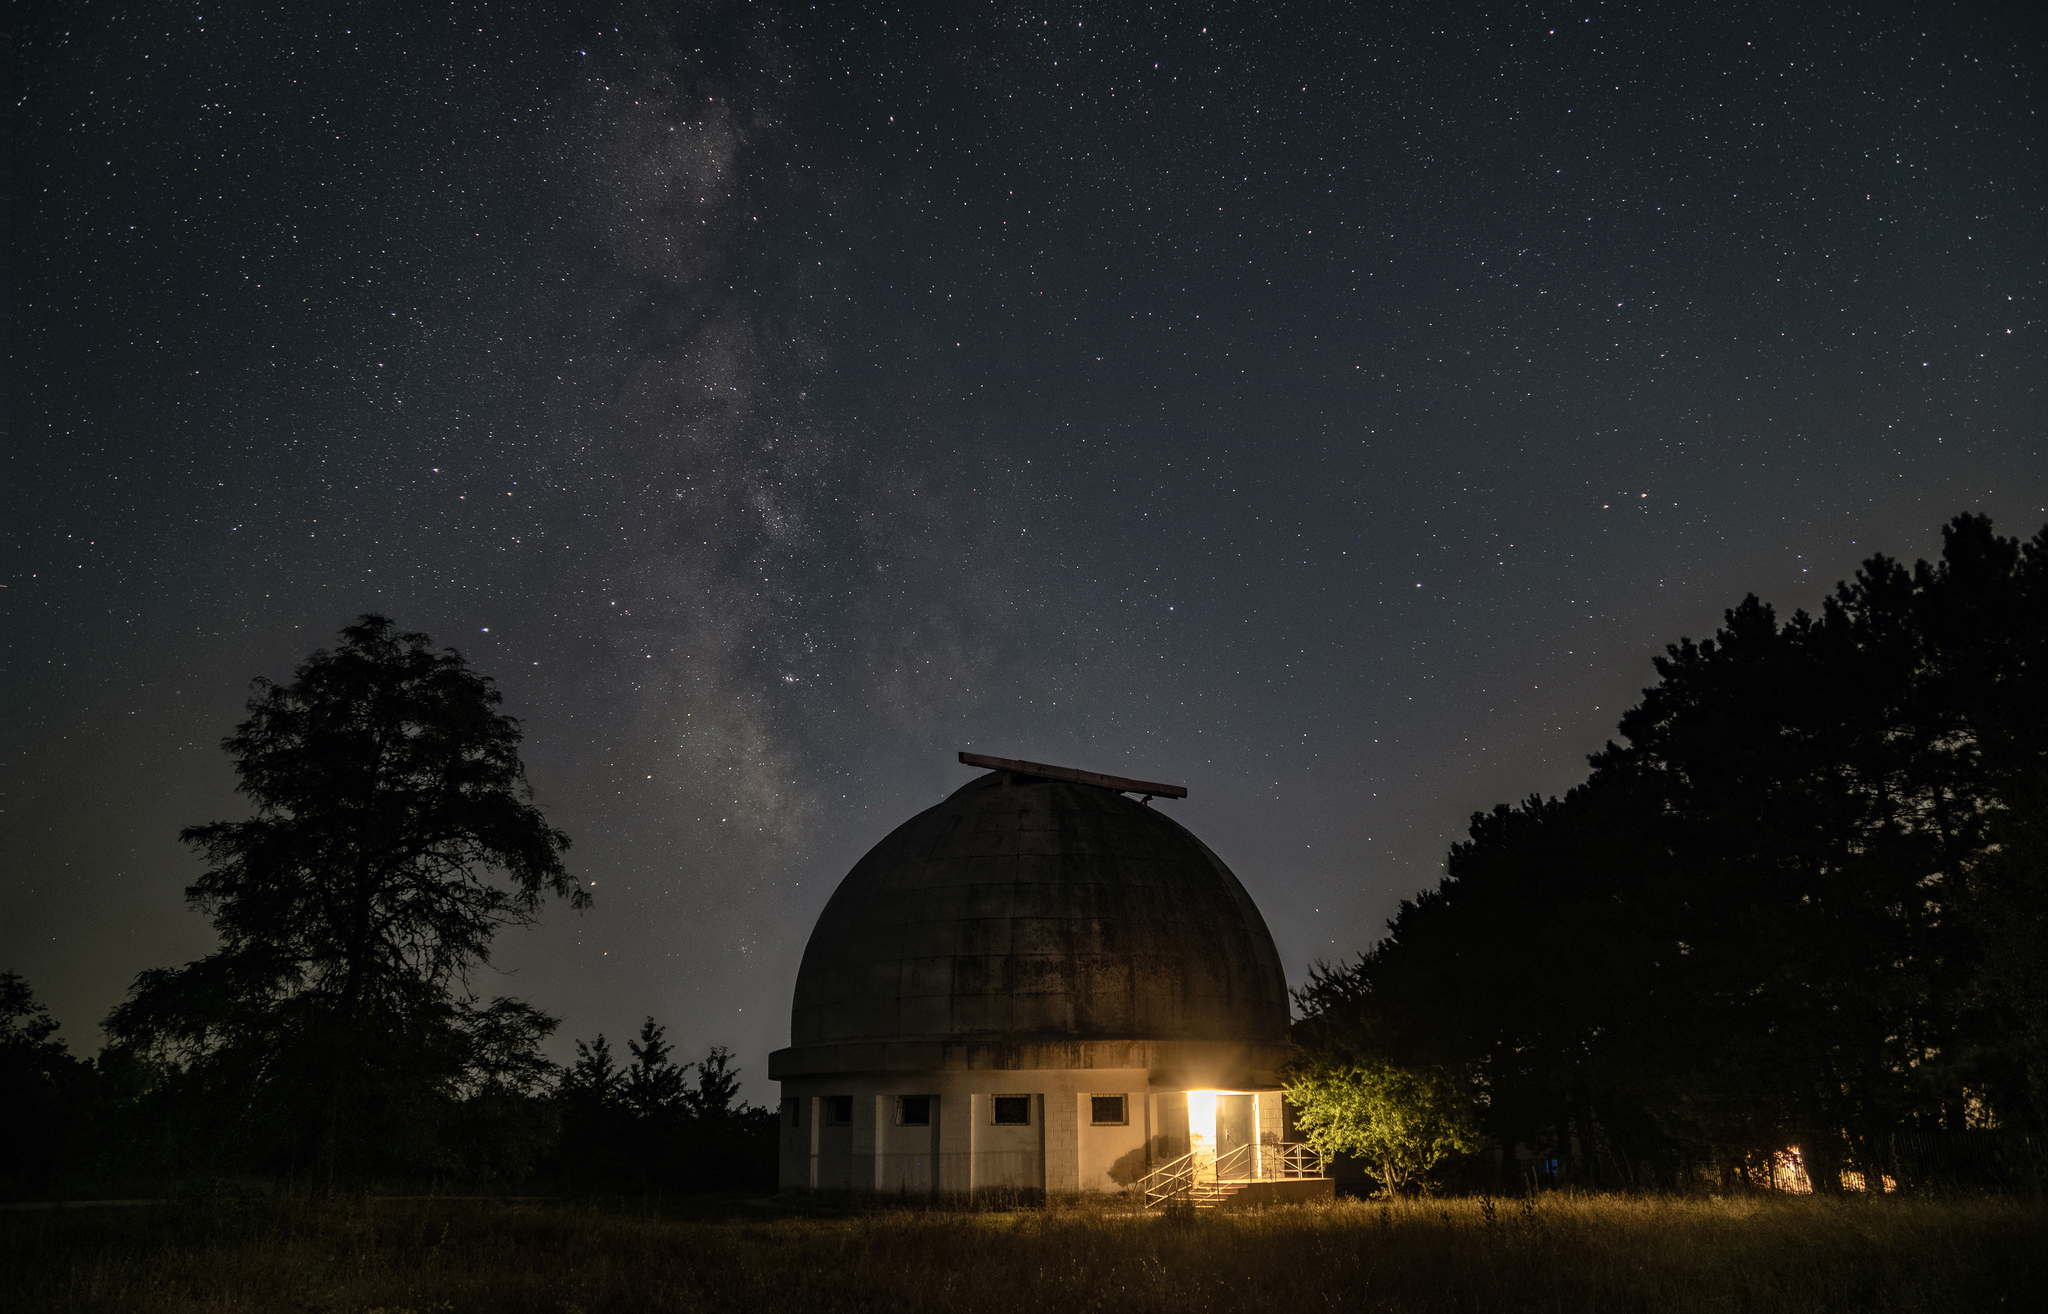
(1028, 909)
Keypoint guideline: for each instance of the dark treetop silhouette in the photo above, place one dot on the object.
(647, 1126)
(1805, 904)
(335, 1029)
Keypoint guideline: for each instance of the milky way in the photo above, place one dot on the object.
(1329, 411)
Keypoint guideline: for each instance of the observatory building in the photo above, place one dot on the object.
(1040, 984)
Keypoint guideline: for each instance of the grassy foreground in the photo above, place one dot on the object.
(1584, 1253)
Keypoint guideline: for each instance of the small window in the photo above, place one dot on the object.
(1012, 1110)
(839, 1110)
(1107, 1111)
(794, 1110)
(914, 1110)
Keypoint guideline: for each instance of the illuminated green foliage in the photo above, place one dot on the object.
(1402, 1122)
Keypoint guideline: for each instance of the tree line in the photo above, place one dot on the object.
(1803, 904)
(337, 1034)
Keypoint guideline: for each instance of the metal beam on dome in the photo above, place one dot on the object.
(1122, 784)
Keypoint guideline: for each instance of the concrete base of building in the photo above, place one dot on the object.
(969, 1130)
(1286, 1190)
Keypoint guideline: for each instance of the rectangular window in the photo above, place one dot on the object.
(913, 1110)
(1107, 1111)
(794, 1109)
(839, 1110)
(1011, 1110)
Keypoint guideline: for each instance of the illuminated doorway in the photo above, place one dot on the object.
(1219, 1123)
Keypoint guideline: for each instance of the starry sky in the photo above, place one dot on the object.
(1328, 407)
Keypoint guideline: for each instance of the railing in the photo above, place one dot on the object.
(1291, 1160)
(1170, 1182)
(1203, 1172)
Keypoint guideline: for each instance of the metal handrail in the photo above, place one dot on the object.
(1186, 1176)
(1292, 1159)
(1170, 1181)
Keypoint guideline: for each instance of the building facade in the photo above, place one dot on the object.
(1040, 984)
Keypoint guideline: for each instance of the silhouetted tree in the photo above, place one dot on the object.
(718, 1085)
(593, 1081)
(1802, 904)
(47, 1094)
(655, 1087)
(648, 1125)
(393, 835)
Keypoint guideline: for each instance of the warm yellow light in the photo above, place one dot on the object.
(1202, 1116)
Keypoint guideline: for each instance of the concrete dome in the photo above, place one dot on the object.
(1027, 910)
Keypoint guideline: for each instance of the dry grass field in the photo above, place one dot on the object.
(1562, 1254)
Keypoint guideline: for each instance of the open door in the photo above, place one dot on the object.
(1236, 1123)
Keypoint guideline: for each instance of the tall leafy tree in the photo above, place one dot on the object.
(1800, 904)
(393, 835)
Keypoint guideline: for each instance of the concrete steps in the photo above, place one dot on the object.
(1213, 1195)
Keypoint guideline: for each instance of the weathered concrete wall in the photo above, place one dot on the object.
(1110, 1157)
(1272, 1118)
(1176, 1064)
(963, 1148)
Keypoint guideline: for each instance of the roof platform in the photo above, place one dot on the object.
(1073, 775)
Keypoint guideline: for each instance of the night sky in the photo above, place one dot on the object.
(1331, 409)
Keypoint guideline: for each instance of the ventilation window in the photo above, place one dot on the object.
(839, 1110)
(1107, 1111)
(914, 1110)
(1012, 1110)
(794, 1108)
